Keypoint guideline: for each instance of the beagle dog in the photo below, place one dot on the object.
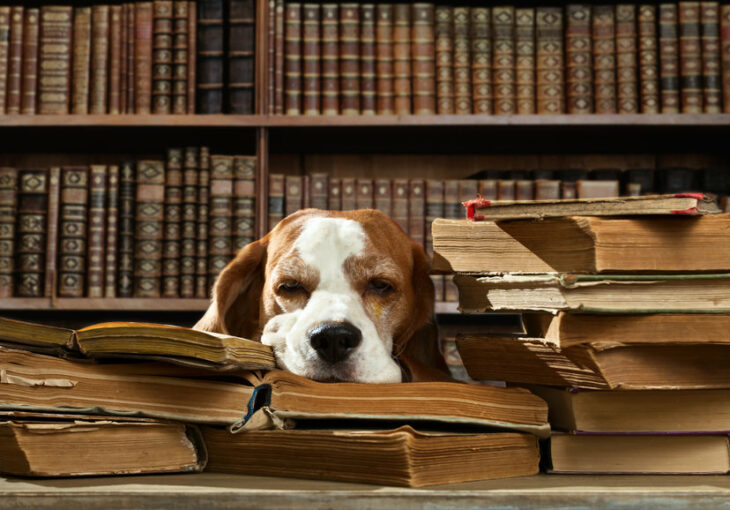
(339, 296)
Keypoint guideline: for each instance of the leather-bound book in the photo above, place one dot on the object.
(293, 194)
(468, 189)
(462, 62)
(52, 220)
(434, 209)
(189, 222)
(4, 54)
(123, 57)
(524, 189)
(96, 231)
(293, 58)
(173, 237)
(31, 226)
(638, 181)
(423, 58)
(8, 212)
(112, 231)
(29, 79)
(690, 57)
(115, 59)
(73, 231)
(131, 55)
(180, 57)
(385, 59)
(149, 227)
(162, 56)
(143, 34)
(311, 59)
(318, 190)
(276, 199)
(417, 211)
(711, 70)
(400, 203)
(383, 196)
(604, 59)
(349, 194)
(201, 251)
(725, 49)
(503, 60)
(368, 61)
(125, 253)
(364, 194)
(98, 84)
(648, 59)
(676, 180)
(241, 40)
(221, 214)
(334, 194)
(550, 90)
(330, 55)
(402, 71)
(279, 55)
(578, 59)
(487, 189)
(626, 65)
(481, 60)
(210, 34)
(547, 189)
(525, 65)
(349, 59)
(244, 200)
(271, 56)
(506, 189)
(54, 59)
(15, 59)
(452, 207)
(668, 58)
(192, 65)
(444, 32)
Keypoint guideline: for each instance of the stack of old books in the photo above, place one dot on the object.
(626, 324)
(120, 398)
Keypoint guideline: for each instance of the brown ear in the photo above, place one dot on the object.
(234, 309)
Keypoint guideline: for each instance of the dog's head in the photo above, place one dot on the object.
(337, 295)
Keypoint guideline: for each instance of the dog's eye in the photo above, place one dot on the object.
(291, 287)
(379, 286)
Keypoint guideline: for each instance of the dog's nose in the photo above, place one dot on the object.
(334, 341)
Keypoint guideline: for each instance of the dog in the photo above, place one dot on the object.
(339, 296)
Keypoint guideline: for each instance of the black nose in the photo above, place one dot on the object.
(334, 341)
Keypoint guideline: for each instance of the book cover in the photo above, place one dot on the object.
(114, 103)
(52, 220)
(201, 160)
(627, 94)
(15, 59)
(31, 229)
(349, 59)
(462, 61)
(549, 60)
(423, 58)
(162, 34)
(311, 74)
(445, 58)
(73, 231)
(503, 65)
(54, 59)
(172, 236)
(648, 59)
(96, 231)
(143, 49)
(364, 194)
(112, 232)
(244, 200)
(385, 59)
(30, 61)
(330, 56)
(293, 58)
(127, 211)
(368, 60)
(220, 220)
(481, 59)
(8, 212)
(210, 56)
(525, 66)
(99, 73)
(189, 221)
(417, 211)
(669, 58)
(334, 194)
(383, 191)
(711, 70)
(180, 56)
(604, 59)
(402, 65)
(241, 55)
(578, 59)
(149, 227)
(690, 57)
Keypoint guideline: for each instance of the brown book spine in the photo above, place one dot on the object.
(626, 66)
(400, 203)
(468, 190)
(210, 54)
(15, 59)
(503, 31)
(125, 253)
(604, 59)
(192, 73)
(98, 86)
(334, 194)
(349, 192)
(525, 65)
(143, 32)
(318, 190)
(180, 37)
(97, 234)
(8, 212)
(524, 189)
(648, 59)
(241, 51)
(550, 89)
(417, 211)
(131, 52)
(690, 57)
(444, 33)
(578, 68)
(4, 54)
(220, 214)
(115, 59)
(30, 61)
(711, 70)
(162, 33)
(293, 194)
(123, 57)
(81, 62)
(462, 62)
(402, 69)
(725, 48)
(364, 194)
(669, 58)
(244, 201)
(506, 189)
(424, 59)
(487, 189)
(547, 189)
(293, 59)
(434, 209)
(385, 60)
(31, 232)
(330, 55)
(54, 201)
(149, 227)
(275, 200)
(368, 60)
(189, 236)
(279, 54)
(201, 251)
(452, 207)
(383, 196)
(54, 59)
(271, 56)
(112, 232)
(311, 59)
(481, 59)
(172, 236)
(350, 59)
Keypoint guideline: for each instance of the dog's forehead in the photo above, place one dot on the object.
(324, 239)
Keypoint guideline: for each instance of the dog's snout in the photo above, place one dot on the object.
(334, 341)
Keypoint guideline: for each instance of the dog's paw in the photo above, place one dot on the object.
(275, 331)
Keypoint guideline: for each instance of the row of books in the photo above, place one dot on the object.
(160, 56)
(422, 58)
(149, 228)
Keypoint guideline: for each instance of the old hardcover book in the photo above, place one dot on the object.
(8, 212)
(423, 58)
(481, 59)
(271, 55)
(604, 59)
(179, 265)
(4, 54)
(54, 59)
(503, 64)
(112, 231)
(31, 232)
(549, 60)
(524, 189)
(400, 203)
(244, 199)
(547, 189)
(96, 231)
(162, 34)
(525, 58)
(279, 55)
(125, 253)
(444, 34)
(318, 190)
(330, 83)
(131, 55)
(124, 57)
(201, 237)
(627, 94)
(15, 59)
(669, 58)
(385, 59)
(293, 59)
(149, 228)
(417, 210)
(210, 53)
(364, 194)
(73, 231)
(648, 59)
(487, 189)
(276, 199)
(172, 236)
(29, 80)
(462, 62)
(402, 68)
(180, 56)
(597, 189)
(311, 103)
(349, 194)
(578, 59)
(711, 70)
(334, 194)
(192, 66)
(52, 220)
(349, 59)
(143, 50)
(241, 39)
(506, 189)
(690, 57)
(99, 74)
(220, 215)
(368, 60)
(293, 194)
(725, 49)
(434, 209)
(383, 196)
(114, 104)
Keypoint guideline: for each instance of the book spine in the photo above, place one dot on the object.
(487, 189)
(368, 61)
(385, 60)
(400, 203)
(349, 193)
(547, 189)
(293, 194)
(271, 56)
(115, 59)
(330, 60)
(668, 58)
(334, 194)
(364, 194)
(452, 207)
(481, 59)
(241, 51)
(98, 84)
(503, 26)
(162, 56)
(201, 250)
(210, 32)
(648, 59)
(221, 211)
(149, 227)
(524, 189)
(604, 59)
(350, 59)
(626, 66)
(444, 33)
(112, 232)
(31, 232)
(275, 200)
(4, 54)
(143, 33)
(172, 235)
(711, 70)
(192, 71)
(311, 59)
(506, 189)
(51, 253)
(549, 60)
(54, 59)
(15, 59)
(123, 57)
(434, 209)
(690, 57)
(244, 200)
(131, 51)
(293, 59)
(190, 206)
(30, 61)
(468, 189)
(383, 196)
(318, 186)
(402, 69)
(180, 57)
(725, 48)
(8, 212)
(578, 69)
(525, 65)
(417, 211)
(125, 254)
(97, 222)
(423, 58)
(462, 62)
(279, 55)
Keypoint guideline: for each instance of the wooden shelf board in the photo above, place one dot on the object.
(132, 121)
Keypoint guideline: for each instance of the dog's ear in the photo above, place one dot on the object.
(234, 309)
